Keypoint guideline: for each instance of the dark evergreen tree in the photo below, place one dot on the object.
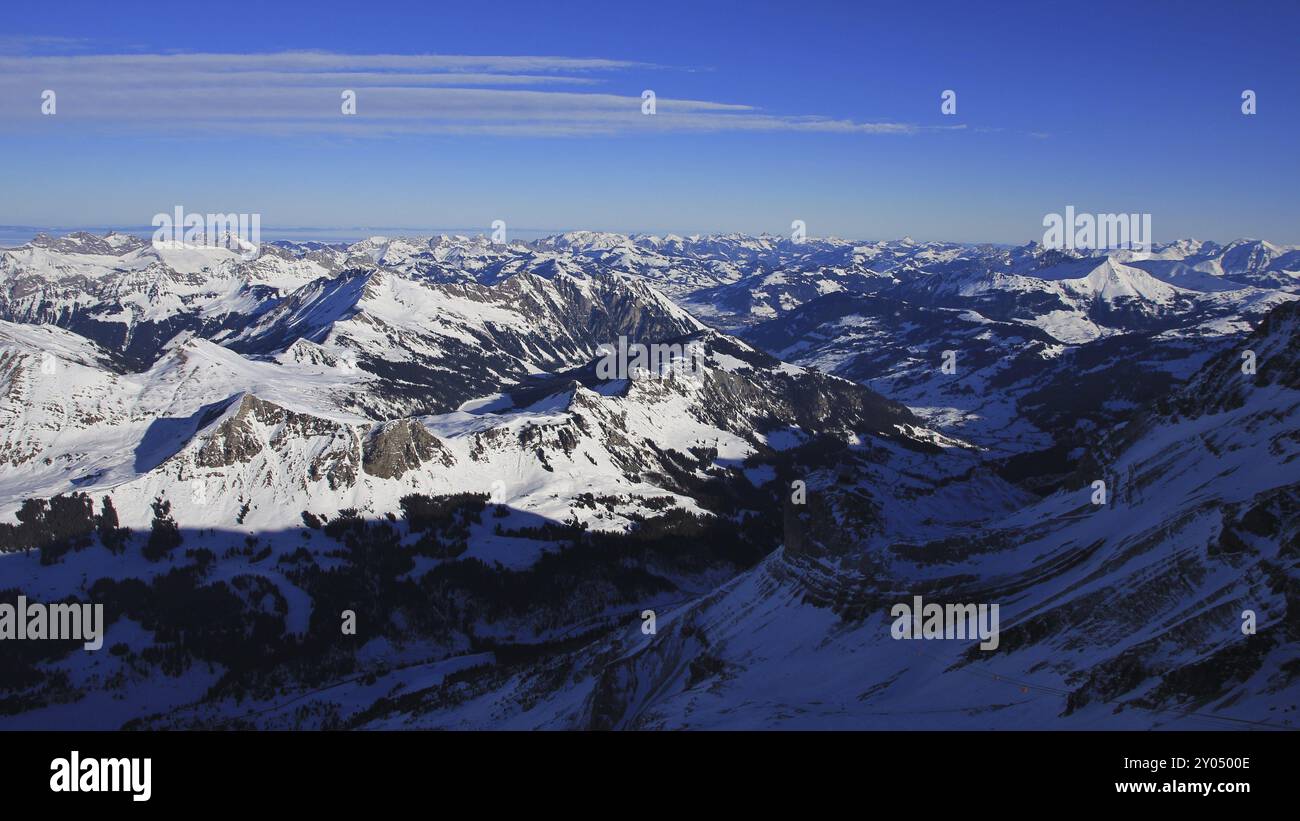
(111, 535)
(164, 537)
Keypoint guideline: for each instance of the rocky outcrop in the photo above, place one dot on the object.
(401, 446)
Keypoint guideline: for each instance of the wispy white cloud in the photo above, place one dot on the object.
(308, 61)
(40, 44)
(299, 92)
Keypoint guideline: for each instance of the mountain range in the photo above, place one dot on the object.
(232, 455)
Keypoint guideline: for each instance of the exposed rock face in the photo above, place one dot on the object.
(401, 446)
(234, 440)
(338, 467)
(257, 426)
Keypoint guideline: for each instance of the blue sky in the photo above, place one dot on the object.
(767, 112)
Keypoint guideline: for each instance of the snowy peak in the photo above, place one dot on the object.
(1109, 281)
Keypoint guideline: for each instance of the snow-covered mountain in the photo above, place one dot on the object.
(425, 432)
(1045, 348)
(123, 291)
(1123, 614)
